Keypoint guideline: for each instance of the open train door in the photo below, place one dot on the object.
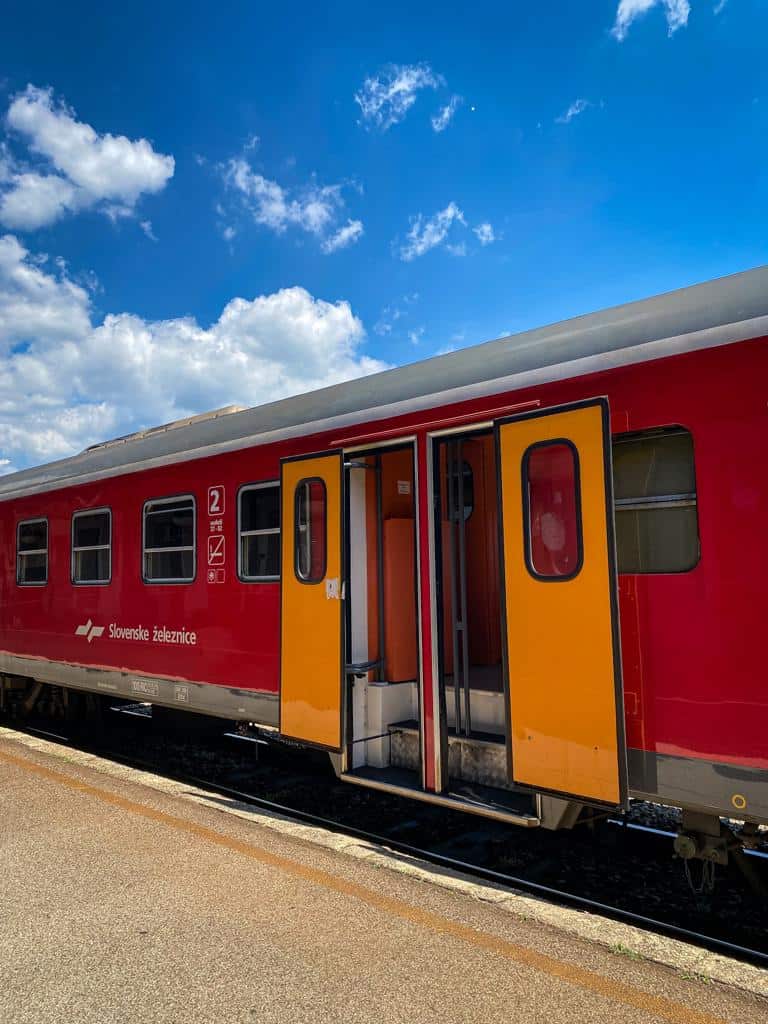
(311, 624)
(560, 602)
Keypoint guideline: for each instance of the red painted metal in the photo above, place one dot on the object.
(428, 669)
(443, 423)
(694, 648)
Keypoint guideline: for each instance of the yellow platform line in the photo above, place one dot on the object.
(658, 1006)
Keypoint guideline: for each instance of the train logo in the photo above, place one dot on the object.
(89, 630)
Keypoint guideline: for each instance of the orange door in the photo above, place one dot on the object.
(311, 643)
(561, 618)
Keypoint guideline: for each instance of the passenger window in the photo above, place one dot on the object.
(32, 552)
(309, 541)
(259, 529)
(169, 540)
(92, 546)
(657, 527)
(553, 545)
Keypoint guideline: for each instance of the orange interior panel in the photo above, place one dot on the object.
(560, 632)
(311, 656)
(399, 565)
(400, 599)
(397, 500)
(482, 553)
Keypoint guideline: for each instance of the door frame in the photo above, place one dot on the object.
(465, 432)
(351, 451)
(603, 403)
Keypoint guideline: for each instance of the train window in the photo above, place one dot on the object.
(32, 552)
(169, 540)
(462, 484)
(552, 510)
(92, 546)
(259, 532)
(657, 528)
(309, 541)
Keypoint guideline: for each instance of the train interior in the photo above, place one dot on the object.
(382, 645)
(384, 704)
(472, 697)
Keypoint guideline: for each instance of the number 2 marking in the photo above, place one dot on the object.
(215, 500)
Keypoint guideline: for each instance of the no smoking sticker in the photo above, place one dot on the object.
(216, 550)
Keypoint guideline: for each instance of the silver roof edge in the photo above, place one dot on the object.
(736, 299)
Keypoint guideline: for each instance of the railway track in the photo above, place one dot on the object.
(386, 838)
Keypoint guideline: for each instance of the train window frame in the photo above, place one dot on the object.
(33, 551)
(171, 580)
(261, 485)
(526, 496)
(309, 581)
(688, 499)
(101, 510)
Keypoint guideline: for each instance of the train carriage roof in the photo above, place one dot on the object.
(718, 312)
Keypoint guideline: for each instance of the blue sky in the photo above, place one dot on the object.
(293, 215)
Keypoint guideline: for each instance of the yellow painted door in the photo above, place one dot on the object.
(560, 602)
(311, 642)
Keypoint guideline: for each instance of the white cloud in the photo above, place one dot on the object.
(146, 227)
(391, 314)
(416, 335)
(576, 108)
(77, 168)
(426, 234)
(270, 204)
(6, 163)
(313, 208)
(385, 98)
(719, 6)
(36, 304)
(456, 248)
(34, 200)
(444, 116)
(69, 379)
(485, 233)
(628, 11)
(348, 234)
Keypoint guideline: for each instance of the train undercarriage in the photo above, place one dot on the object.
(703, 842)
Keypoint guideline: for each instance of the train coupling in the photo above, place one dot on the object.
(702, 837)
(693, 846)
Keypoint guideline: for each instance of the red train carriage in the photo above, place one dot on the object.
(523, 579)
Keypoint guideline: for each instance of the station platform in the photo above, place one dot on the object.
(128, 898)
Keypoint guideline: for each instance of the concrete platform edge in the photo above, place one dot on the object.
(622, 939)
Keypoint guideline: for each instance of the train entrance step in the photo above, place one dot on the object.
(480, 758)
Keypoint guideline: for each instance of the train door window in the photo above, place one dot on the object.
(657, 528)
(259, 532)
(169, 540)
(309, 541)
(32, 552)
(92, 546)
(552, 513)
